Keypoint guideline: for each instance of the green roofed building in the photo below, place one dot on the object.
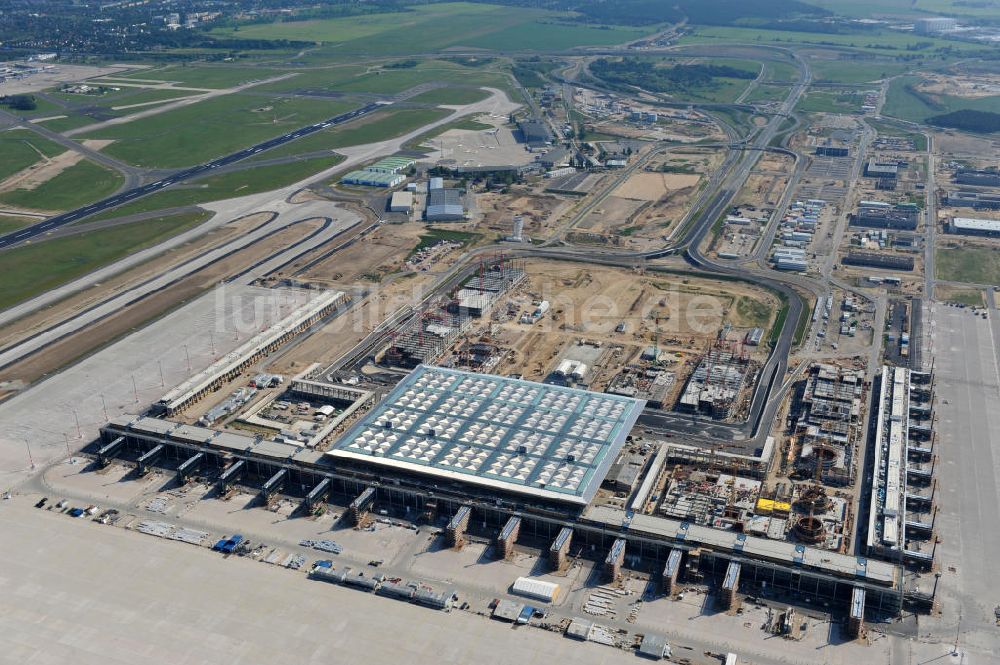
(372, 179)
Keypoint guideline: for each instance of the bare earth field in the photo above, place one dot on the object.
(654, 186)
(590, 302)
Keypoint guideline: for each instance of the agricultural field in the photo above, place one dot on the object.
(199, 132)
(436, 27)
(78, 185)
(36, 268)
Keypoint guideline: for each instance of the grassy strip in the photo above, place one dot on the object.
(224, 186)
(10, 223)
(39, 267)
(803, 325)
(374, 128)
(80, 184)
(452, 96)
(200, 76)
(967, 297)
(199, 132)
(779, 320)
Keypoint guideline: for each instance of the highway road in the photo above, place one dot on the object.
(29, 232)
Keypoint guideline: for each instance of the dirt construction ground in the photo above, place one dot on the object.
(590, 303)
(654, 186)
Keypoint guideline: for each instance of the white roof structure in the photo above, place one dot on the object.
(970, 224)
(546, 441)
(535, 588)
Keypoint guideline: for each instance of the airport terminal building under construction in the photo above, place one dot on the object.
(481, 450)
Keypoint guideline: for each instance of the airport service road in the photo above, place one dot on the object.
(118, 302)
(967, 387)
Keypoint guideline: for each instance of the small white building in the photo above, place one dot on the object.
(401, 202)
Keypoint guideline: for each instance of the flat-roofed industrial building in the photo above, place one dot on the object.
(444, 204)
(967, 226)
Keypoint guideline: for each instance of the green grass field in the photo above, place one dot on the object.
(450, 96)
(752, 311)
(43, 108)
(71, 121)
(318, 78)
(199, 132)
(9, 223)
(912, 8)
(223, 186)
(378, 127)
(440, 26)
(781, 71)
(200, 76)
(20, 148)
(392, 81)
(901, 102)
(877, 42)
(80, 184)
(855, 72)
(823, 101)
(907, 103)
(38, 267)
(971, 264)
(967, 297)
(767, 93)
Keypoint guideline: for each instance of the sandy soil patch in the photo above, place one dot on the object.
(97, 144)
(590, 303)
(654, 186)
(41, 172)
(961, 86)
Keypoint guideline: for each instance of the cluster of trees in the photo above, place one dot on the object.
(635, 72)
(19, 102)
(968, 120)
